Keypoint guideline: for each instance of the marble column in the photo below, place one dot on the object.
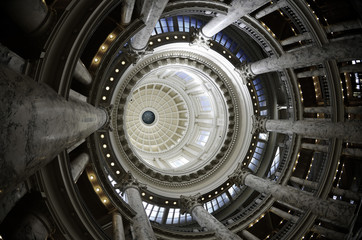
(191, 205)
(78, 165)
(344, 26)
(344, 49)
(271, 8)
(29, 226)
(312, 73)
(336, 211)
(328, 233)
(355, 152)
(82, 74)
(150, 14)
(29, 15)
(141, 224)
(11, 59)
(237, 9)
(248, 235)
(335, 191)
(328, 110)
(294, 39)
(118, 229)
(350, 131)
(37, 124)
(127, 11)
(284, 215)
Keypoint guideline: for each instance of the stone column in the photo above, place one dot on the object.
(284, 215)
(326, 110)
(11, 59)
(294, 39)
(336, 191)
(329, 234)
(237, 9)
(350, 131)
(29, 15)
(336, 211)
(82, 74)
(141, 224)
(127, 11)
(355, 152)
(37, 124)
(151, 12)
(345, 49)
(271, 8)
(78, 165)
(248, 235)
(205, 219)
(118, 230)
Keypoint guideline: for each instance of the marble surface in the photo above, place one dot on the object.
(37, 124)
(205, 219)
(350, 131)
(336, 211)
(141, 225)
(308, 56)
(237, 9)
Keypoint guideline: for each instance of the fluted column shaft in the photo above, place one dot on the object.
(345, 49)
(151, 12)
(237, 9)
(37, 124)
(205, 219)
(349, 131)
(78, 165)
(118, 230)
(336, 211)
(141, 224)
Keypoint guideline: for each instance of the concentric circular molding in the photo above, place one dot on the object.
(156, 118)
(237, 139)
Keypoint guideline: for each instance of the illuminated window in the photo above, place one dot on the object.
(203, 137)
(205, 103)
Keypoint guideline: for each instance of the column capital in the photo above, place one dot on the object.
(107, 125)
(239, 175)
(199, 39)
(130, 182)
(259, 124)
(189, 202)
(244, 70)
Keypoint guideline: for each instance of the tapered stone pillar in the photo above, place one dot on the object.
(82, 74)
(118, 230)
(36, 125)
(273, 7)
(237, 9)
(284, 215)
(141, 224)
(78, 165)
(336, 191)
(151, 12)
(29, 15)
(205, 219)
(248, 235)
(345, 49)
(328, 233)
(355, 152)
(127, 11)
(336, 211)
(314, 128)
